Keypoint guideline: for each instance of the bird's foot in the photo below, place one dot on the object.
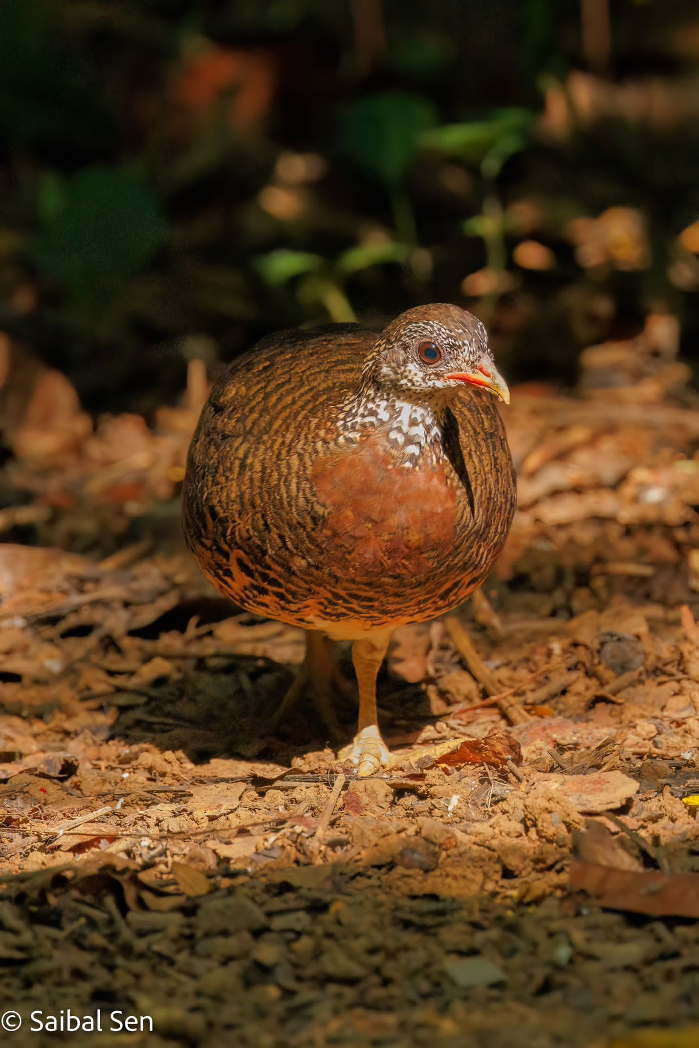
(367, 752)
(319, 694)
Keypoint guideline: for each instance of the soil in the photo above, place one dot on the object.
(524, 875)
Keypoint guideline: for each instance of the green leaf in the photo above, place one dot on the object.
(380, 134)
(473, 140)
(279, 266)
(51, 196)
(496, 158)
(363, 256)
(106, 225)
(475, 226)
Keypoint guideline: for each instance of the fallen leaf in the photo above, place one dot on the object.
(368, 796)
(495, 749)
(595, 844)
(215, 800)
(680, 1037)
(16, 736)
(352, 803)
(190, 881)
(57, 765)
(52, 765)
(162, 903)
(653, 893)
(590, 794)
(240, 848)
(43, 416)
(87, 845)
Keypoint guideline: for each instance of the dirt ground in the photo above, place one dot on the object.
(525, 875)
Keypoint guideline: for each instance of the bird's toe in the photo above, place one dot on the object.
(367, 752)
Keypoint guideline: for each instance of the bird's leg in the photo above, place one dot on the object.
(322, 674)
(316, 673)
(368, 752)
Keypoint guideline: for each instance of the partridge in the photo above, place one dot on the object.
(348, 480)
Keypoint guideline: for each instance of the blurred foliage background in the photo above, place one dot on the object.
(179, 178)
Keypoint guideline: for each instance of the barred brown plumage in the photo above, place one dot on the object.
(343, 481)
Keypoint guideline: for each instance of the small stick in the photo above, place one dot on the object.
(618, 567)
(177, 835)
(324, 820)
(511, 710)
(72, 823)
(552, 688)
(690, 627)
(623, 681)
(514, 770)
(494, 699)
(611, 690)
(127, 556)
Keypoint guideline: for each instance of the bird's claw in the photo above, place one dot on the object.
(367, 752)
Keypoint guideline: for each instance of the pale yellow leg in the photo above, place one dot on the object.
(316, 675)
(368, 752)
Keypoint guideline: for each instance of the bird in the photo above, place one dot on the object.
(350, 479)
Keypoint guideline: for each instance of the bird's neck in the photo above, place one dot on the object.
(411, 429)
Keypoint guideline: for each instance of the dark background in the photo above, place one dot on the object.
(179, 178)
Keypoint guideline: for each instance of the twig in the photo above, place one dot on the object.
(15, 516)
(137, 835)
(623, 681)
(551, 688)
(495, 699)
(611, 691)
(127, 556)
(110, 593)
(622, 567)
(59, 830)
(691, 629)
(324, 820)
(511, 710)
(514, 770)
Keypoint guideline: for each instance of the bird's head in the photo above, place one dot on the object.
(429, 352)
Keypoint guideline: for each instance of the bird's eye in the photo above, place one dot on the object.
(429, 352)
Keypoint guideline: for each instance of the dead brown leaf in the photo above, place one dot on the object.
(190, 881)
(597, 845)
(496, 749)
(52, 765)
(655, 894)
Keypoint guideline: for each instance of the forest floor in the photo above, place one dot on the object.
(524, 875)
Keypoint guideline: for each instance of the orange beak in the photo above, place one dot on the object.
(488, 377)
